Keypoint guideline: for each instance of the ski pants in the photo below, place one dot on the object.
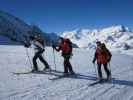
(67, 66)
(39, 55)
(105, 68)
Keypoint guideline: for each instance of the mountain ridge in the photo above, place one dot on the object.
(116, 37)
(16, 29)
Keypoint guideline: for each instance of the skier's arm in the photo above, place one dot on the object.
(110, 55)
(58, 48)
(94, 59)
(27, 45)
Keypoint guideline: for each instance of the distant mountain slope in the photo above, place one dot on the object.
(15, 29)
(6, 41)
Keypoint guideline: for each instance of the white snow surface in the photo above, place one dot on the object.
(39, 87)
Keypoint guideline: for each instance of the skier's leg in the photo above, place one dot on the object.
(99, 71)
(107, 70)
(70, 66)
(34, 62)
(43, 61)
(65, 66)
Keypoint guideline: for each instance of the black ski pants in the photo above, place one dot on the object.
(105, 68)
(67, 66)
(39, 55)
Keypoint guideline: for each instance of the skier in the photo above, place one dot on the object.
(103, 57)
(38, 44)
(65, 46)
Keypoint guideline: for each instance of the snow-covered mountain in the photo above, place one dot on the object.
(115, 37)
(12, 28)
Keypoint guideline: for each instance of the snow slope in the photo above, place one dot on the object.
(39, 87)
(116, 37)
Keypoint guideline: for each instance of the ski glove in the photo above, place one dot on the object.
(26, 45)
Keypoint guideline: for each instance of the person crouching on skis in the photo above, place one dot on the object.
(65, 46)
(103, 57)
(38, 44)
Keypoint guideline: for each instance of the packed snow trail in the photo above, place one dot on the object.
(39, 87)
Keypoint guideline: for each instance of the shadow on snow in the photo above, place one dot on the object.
(79, 76)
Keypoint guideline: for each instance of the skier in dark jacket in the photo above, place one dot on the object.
(38, 44)
(103, 57)
(65, 46)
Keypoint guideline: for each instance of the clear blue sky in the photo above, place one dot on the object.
(61, 15)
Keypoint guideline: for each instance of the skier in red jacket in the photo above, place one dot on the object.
(65, 46)
(103, 57)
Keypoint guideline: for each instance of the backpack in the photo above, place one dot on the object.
(40, 40)
(67, 46)
(69, 43)
(106, 51)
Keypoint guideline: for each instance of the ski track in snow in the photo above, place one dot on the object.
(39, 87)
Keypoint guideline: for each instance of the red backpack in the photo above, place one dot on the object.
(67, 46)
(102, 56)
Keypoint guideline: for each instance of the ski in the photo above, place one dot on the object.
(37, 72)
(63, 76)
(18, 73)
(56, 71)
(94, 83)
(100, 82)
(58, 77)
(30, 72)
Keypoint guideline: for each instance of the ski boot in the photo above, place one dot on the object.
(47, 69)
(109, 78)
(34, 70)
(72, 73)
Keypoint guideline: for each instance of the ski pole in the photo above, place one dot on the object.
(95, 70)
(54, 59)
(110, 68)
(28, 57)
(45, 53)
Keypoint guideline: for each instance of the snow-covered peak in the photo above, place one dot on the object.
(115, 29)
(116, 37)
(77, 33)
(69, 34)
